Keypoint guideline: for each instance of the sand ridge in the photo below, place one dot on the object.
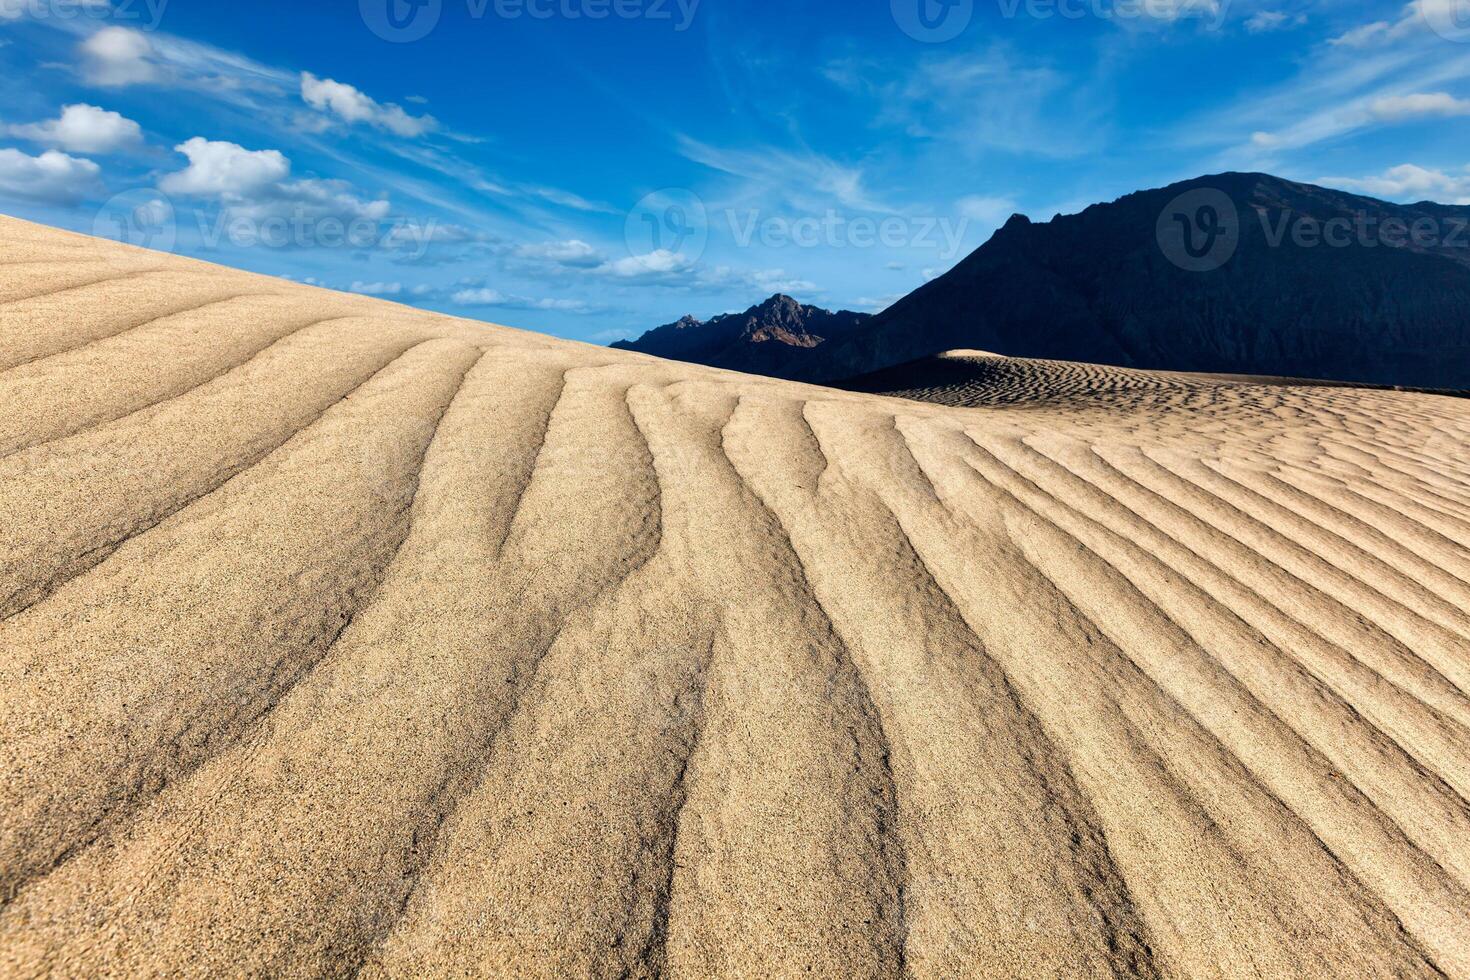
(339, 637)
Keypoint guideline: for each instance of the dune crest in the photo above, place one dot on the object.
(341, 637)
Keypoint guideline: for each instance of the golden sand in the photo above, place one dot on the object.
(339, 637)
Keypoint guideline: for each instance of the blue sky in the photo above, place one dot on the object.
(592, 168)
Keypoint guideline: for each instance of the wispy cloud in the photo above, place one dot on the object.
(804, 179)
(1408, 182)
(1378, 73)
(352, 106)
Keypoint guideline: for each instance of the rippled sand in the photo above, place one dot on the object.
(339, 637)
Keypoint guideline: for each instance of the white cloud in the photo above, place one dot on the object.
(376, 288)
(314, 199)
(492, 297)
(1367, 77)
(83, 129)
(568, 200)
(659, 263)
(253, 185)
(1420, 16)
(477, 297)
(118, 56)
(574, 253)
(1362, 37)
(1266, 21)
(984, 100)
(559, 305)
(1169, 11)
(53, 177)
(219, 169)
(791, 175)
(1434, 105)
(354, 106)
(1410, 182)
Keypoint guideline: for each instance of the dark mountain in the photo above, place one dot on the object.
(776, 337)
(1274, 278)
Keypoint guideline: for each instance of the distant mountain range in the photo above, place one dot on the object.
(1234, 273)
(777, 337)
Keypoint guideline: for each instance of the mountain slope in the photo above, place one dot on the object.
(339, 638)
(769, 338)
(1099, 287)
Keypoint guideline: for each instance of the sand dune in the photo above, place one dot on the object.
(339, 637)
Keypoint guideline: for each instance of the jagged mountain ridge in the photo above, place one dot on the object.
(769, 338)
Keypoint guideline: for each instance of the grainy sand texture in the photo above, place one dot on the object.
(338, 638)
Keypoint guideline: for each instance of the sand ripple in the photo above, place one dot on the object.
(338, 637)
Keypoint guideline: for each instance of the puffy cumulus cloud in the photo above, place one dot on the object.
(118, 56)
(221, 169)
(51, 178)
(83, 128)
(1424, 105)
(254, 186)
(658, 264)
(313, 200)
(1409, 181)
(353, 106)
